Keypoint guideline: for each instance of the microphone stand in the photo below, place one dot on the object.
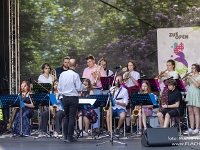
(110, 110)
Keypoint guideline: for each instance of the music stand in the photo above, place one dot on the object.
(106, 82)
(39, 100)
(41, 87)
(154, 84)
(111, 103)
(179, 85)
(143, 99)
(84, 101)
(14, 100)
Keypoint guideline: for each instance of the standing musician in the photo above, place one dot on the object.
(88, 115)
(69, 86)
(193, 98)
(58, 116)
(107, 71)
(64, 66)
(146, 109)
(104, 65)
(120, 95)
(130, 80)
(45, 77)
(174, 108)
(27, 112)
(93, 72)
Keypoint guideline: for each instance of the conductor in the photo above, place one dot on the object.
(69, 86)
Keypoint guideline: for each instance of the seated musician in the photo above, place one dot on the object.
(58, 116)
(146, 109)
(174, 107)
(130, 80)
(89, 115)
(27, 112)
(120, 97)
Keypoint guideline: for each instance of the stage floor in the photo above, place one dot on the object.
(134, 142)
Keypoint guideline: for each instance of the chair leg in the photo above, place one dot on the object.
(179, 124)
(124, 127)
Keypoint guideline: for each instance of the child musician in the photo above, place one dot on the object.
(130, 80)
(88, 115)
(146, 109)
(174, 107)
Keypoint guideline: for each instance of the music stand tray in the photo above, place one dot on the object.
(106, 82)
(143, 99)
(155, 87)
(10, 101)
(179, 85)
(40, 99)
(41, 87)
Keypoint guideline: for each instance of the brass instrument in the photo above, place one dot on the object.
(53, 73)
(135, 114)
(126, 77)
(186, 75)
(161, 74)
(162, 102)
(99, 66)
(11, 119)
(54, 110)
(122, 71)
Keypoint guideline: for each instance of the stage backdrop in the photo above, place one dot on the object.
(179, 44)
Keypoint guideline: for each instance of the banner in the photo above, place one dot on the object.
(180, 44)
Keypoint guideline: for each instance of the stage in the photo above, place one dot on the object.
(134, 142)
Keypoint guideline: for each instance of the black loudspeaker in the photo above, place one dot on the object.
(160, 137)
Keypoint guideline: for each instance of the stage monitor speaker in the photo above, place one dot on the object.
(160, 137)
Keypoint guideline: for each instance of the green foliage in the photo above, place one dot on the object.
(52, 29)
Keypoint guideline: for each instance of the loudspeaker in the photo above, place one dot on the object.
(160, 137)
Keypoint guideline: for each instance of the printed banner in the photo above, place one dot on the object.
(180, 44)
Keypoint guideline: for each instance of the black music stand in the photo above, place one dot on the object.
(83, 101)
(14, 100)
(111, 103)
(39, 100)
(143, 99)
(101, 101)
(41, 87)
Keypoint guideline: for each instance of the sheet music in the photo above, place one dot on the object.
(86, 101)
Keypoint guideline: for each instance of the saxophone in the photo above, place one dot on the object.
(11, 119)
(135, 114)
(54, 110)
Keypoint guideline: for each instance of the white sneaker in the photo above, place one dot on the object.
(196, 131)
(189, 131)
(85, 133)
(55, 134)
(42, 135)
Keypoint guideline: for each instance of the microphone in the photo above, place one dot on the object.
(143, 75)
(118, 84)
(117, 67)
